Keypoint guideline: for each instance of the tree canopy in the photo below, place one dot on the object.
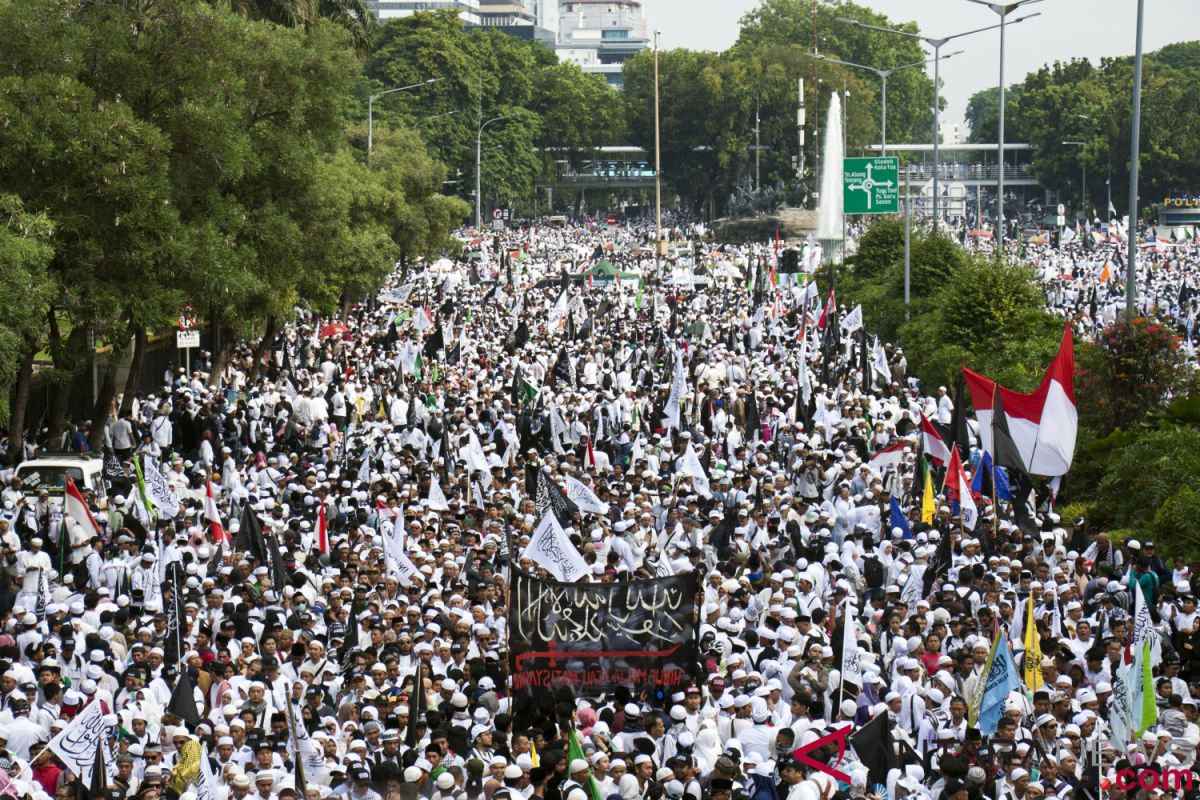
(180, 152)
(1079, 101)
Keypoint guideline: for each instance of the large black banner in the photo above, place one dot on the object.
(594, 637)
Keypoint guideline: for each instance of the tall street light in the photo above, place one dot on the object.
(883, 75)
(1003, 10)
(936, 44)
(371, 108)
(479, 170)
(1134, 153)
(657, 170)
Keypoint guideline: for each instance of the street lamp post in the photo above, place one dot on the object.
(1134, 153)
(479, 171)
(936, 44)
(371, 108)
(657, 170)
(1003, 10)
(883, 75)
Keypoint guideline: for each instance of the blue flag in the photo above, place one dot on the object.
(999, 679)
(898, 520)
(1001, 489)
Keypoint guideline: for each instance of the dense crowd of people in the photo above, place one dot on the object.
(340, 518)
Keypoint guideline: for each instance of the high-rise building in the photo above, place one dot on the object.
(521, 18)
(601, 35)
(468, 10)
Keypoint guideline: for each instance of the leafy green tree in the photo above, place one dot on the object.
(988, 317)
(25, 293)
(1129, 371)
(1151, 482)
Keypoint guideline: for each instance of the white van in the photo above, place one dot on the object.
(49, 471)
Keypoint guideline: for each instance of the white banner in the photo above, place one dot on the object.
(437, 498)
(398, 563)
(853, 321)
(692, 467)
(76, 745)
(551, 550)
(584, 497)
(671, 412)
(160, 492)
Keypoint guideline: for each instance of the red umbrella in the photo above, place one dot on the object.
(333, 329)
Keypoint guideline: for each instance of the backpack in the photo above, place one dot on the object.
(873, 573)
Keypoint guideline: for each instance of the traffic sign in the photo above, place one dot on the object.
(871, 185)
(497, 213)
(187, 339)
(1062, 209)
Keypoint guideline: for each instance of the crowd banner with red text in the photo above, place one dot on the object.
(594, 637)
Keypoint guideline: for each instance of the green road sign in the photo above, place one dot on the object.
(871, 185)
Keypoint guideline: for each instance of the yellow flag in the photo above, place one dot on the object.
(533, 755)
(1033, 651)
(928, 505)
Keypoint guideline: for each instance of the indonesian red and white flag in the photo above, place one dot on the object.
(826, 312)
(385, 510)
(77, 508)
(1044, 423)
(931, 440)
(211, 515)
(322, 530)
(958, 490)
(890, 456)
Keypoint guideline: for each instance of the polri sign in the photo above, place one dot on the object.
(871, 185)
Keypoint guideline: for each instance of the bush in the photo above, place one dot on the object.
(1149, 484)
(989, 317)
(1130, 370)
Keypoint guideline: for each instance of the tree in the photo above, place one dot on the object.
(25, 293)
(989, 317)
(1080, 101)
(1128, 371)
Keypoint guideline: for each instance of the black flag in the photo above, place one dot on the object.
(564, 370)
(278, 572)
(939, 566)
(551, 497)
(418, 706)
(960, 437)
(1004, 448)
(350, 643)
(113, 471)
(873, 744)
(183, 699)
(99, 771)
(434, 343)
(250, 536)
(753, 422)
(173, 608)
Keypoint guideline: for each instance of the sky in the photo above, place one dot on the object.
(1066, 29)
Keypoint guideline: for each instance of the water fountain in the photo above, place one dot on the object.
(830, 225)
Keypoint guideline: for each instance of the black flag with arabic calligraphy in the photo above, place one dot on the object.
(594, 637)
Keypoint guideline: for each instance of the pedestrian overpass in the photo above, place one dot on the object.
(611, 167)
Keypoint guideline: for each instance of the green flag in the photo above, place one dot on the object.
(637, 303)
(1149, 709)
(417, 365)
(574, 751)
(528, 392)
(137, 468)
(433, 373)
